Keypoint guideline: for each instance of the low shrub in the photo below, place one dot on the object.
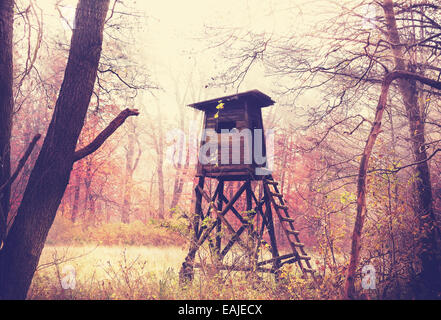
(154, 233)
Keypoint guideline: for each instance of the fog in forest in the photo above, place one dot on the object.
(105, 107)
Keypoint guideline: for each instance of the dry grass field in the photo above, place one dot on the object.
(140, 261)
(134, 273)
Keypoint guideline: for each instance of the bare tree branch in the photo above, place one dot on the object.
(106, 133)
(364, 165)
(22, 161)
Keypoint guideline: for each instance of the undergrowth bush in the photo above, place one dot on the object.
(153, 233)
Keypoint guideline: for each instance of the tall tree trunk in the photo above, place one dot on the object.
(107, 209)
(99, 210)
(161, 186)
(125, 212)
(6, 105)
(85, 213)
(349, 290)
(131, 165)
(76, 200)
(181, 168)
(50, 175)
(91, 216)
(150, 194)
(428, 231)
(160, 154)
(87, 194)
(177, 187)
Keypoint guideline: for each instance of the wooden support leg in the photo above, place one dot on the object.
(219, 209)
(258, 234)
(232, 241)
(209, 208)
(249, 207)
(272, 236)
(186, 273)
(245, 224)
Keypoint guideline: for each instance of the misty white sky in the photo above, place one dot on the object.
(173, 29)
(171, 39)
(172, 45)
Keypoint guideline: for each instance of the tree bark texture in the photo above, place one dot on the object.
(349, 290)
(6, 105)
(50, 175)
(428, 231)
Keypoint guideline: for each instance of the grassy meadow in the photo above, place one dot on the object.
(142, 261)
(107, 272)
(134, 273)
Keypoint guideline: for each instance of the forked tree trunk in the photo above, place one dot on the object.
(407, 82)
(361, 190)
(349, 290)
(6, 105)
(50, 175)
(428, 231)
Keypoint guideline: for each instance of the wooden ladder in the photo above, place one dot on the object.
(287, 223)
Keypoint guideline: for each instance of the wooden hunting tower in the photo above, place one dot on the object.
(234, 135)
(236, 120)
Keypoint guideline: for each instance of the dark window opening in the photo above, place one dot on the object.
(225, 125)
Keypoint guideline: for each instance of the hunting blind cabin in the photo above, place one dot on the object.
(233, 150)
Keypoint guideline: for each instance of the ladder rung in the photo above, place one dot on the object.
(274, 183)
(298, 244)
(287, 219)
(308, 270)
(282, 207)
(304, 257)
(275, 194)
(293, 232)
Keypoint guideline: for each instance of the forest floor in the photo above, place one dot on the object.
(134, 272)
(142, 261)
(105, 272)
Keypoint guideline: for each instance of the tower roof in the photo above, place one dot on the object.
(259, 100)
